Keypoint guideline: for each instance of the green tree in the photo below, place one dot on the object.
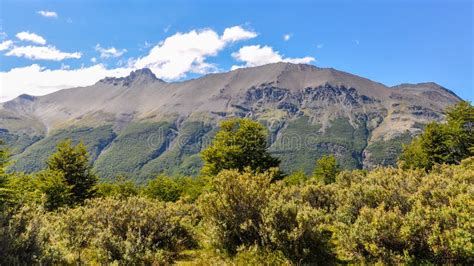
(56, 191)
(449, 143)
(460, 123)
(240, 143)
(326, 169)
(73, 162)
(163, 188)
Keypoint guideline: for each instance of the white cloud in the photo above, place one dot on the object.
(171, 59)
(31, 37)
(5, 45)
(320, 45)
(36, 80)
(42, 53)
(187, 52)
(48, 14)
(237, 33)
(256, 55)
(3, 35)
(109, 52)
(286, 37)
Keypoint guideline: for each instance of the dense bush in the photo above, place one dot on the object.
(394, 216)
(246, 210)
(233, 208)
(130, 231)
(295, 228)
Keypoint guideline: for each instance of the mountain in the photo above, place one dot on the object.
(140, 125)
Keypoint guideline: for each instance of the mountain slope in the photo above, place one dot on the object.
(140, 125)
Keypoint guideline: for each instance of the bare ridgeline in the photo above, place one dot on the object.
(308, 110)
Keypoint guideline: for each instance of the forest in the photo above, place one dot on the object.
(243, 210)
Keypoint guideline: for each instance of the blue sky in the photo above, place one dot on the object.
(50, 45)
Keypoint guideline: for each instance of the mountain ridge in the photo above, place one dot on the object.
(349, 115)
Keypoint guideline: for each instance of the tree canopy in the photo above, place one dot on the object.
(449, 142)
(73, 162)
(240, 143)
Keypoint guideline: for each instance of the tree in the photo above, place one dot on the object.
(326, 169)
(73, 162)
(449, 143)
(162, 188)
(460, 119)
(240, 143)
(56, 191)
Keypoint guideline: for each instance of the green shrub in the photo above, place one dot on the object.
(233, 209)
(130, 231)
(120, 188)
(163, 188)
(296, 229)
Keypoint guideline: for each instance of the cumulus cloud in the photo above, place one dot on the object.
(187, 52)
(42, 53)
(36, 80)
(170, 59)
(256, 55)
(237, 33)
(5, 45)
(48, 14)
(31, 37)
(109, 52)
(286, 37)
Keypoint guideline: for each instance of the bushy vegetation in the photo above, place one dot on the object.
(238, 213)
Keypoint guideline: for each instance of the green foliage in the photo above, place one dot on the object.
(443, 143)
(23, 190)
(301, 141)
(34, 156)
(73, 163)
(255, 255)
(389, 215)
(296, 178)
(22, 238)
(55, 189)
(245, 210)
(407, 216)
(386, 152)
(295, 228)
(119, 188)
(240, 143)
(181, 157)
(233, 208)
(4, 193)
(163, 188)
(326, 169)
(131, 231)
(134, 147)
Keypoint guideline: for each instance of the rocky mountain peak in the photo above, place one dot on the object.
(137, 77)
